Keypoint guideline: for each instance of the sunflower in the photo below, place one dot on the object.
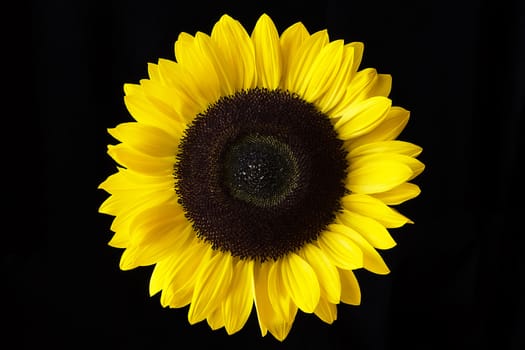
(260, 170)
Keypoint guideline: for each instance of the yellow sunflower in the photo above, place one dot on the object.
(260, 170)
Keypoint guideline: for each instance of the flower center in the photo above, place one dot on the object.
(260, 173)
(260, 170)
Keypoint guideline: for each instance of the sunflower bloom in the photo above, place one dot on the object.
(260, 170)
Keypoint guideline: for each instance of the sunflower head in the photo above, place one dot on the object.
(259, 170)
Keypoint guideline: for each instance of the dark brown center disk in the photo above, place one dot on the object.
(260, 173)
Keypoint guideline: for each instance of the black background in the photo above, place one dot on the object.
(457, 274)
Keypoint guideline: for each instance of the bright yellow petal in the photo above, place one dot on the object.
(279, 296)
(301, 282)
(391, 146)
(215, 320)
(322, 72)
(153, 72)
(210, 49)
(154, 234)
(399, 194)
(263, 306)
(389, 129)
(372, 261)
(236, 49)
(330, 101)
(382, 85)
(375, 174)
(281, 327)
(358, 90)
(374, 208)
(140, 162)
(414, 164)
(291, 40)
(146, 139)
(202, 94)
(267, 53)
(373, 231)
(341, 250)
(326, 310)
(211, 286)
(362, 117)
(126, 205)
(166, 269)
(161, 222)
(358, 49)
(279, 319)
(199, 67)
(326, 272)
(178, 89)
(180, 277)
(126, 180)
(149, 112)
(238, 304)
(306, 54)
(350, 291)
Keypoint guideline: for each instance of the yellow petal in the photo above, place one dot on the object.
(399, 194)
(148, 112)
(326, 272)
(306, 54)
(211, 286)
(215, 319)
(358, 49)
(373, 231)
(323, 71)
(140, 162)
(199, 68)
(238, 304)
(291, 40)
(171, 92)
(122, 202)
(146, 139)
(335, 92)
(154, 223)
(350, 291)
(276, 319)
(326, 310)
(279, 296)
(301, 282)
(382, 85)
(267, 53)
(237, 49)
(127, 181)
(374, 208)
(414, 164)
(372, 261)
(362, 117)
(154, 234)
(180, 277)
(153, 72)
(263, 307)
(358, 90)
(125, 205)
(389, 129)
(172, 101)
(373, 175)
(209, 48)
(391, 146)
(166, 269)
(281, 327)
(341, 250)
(177, 83)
